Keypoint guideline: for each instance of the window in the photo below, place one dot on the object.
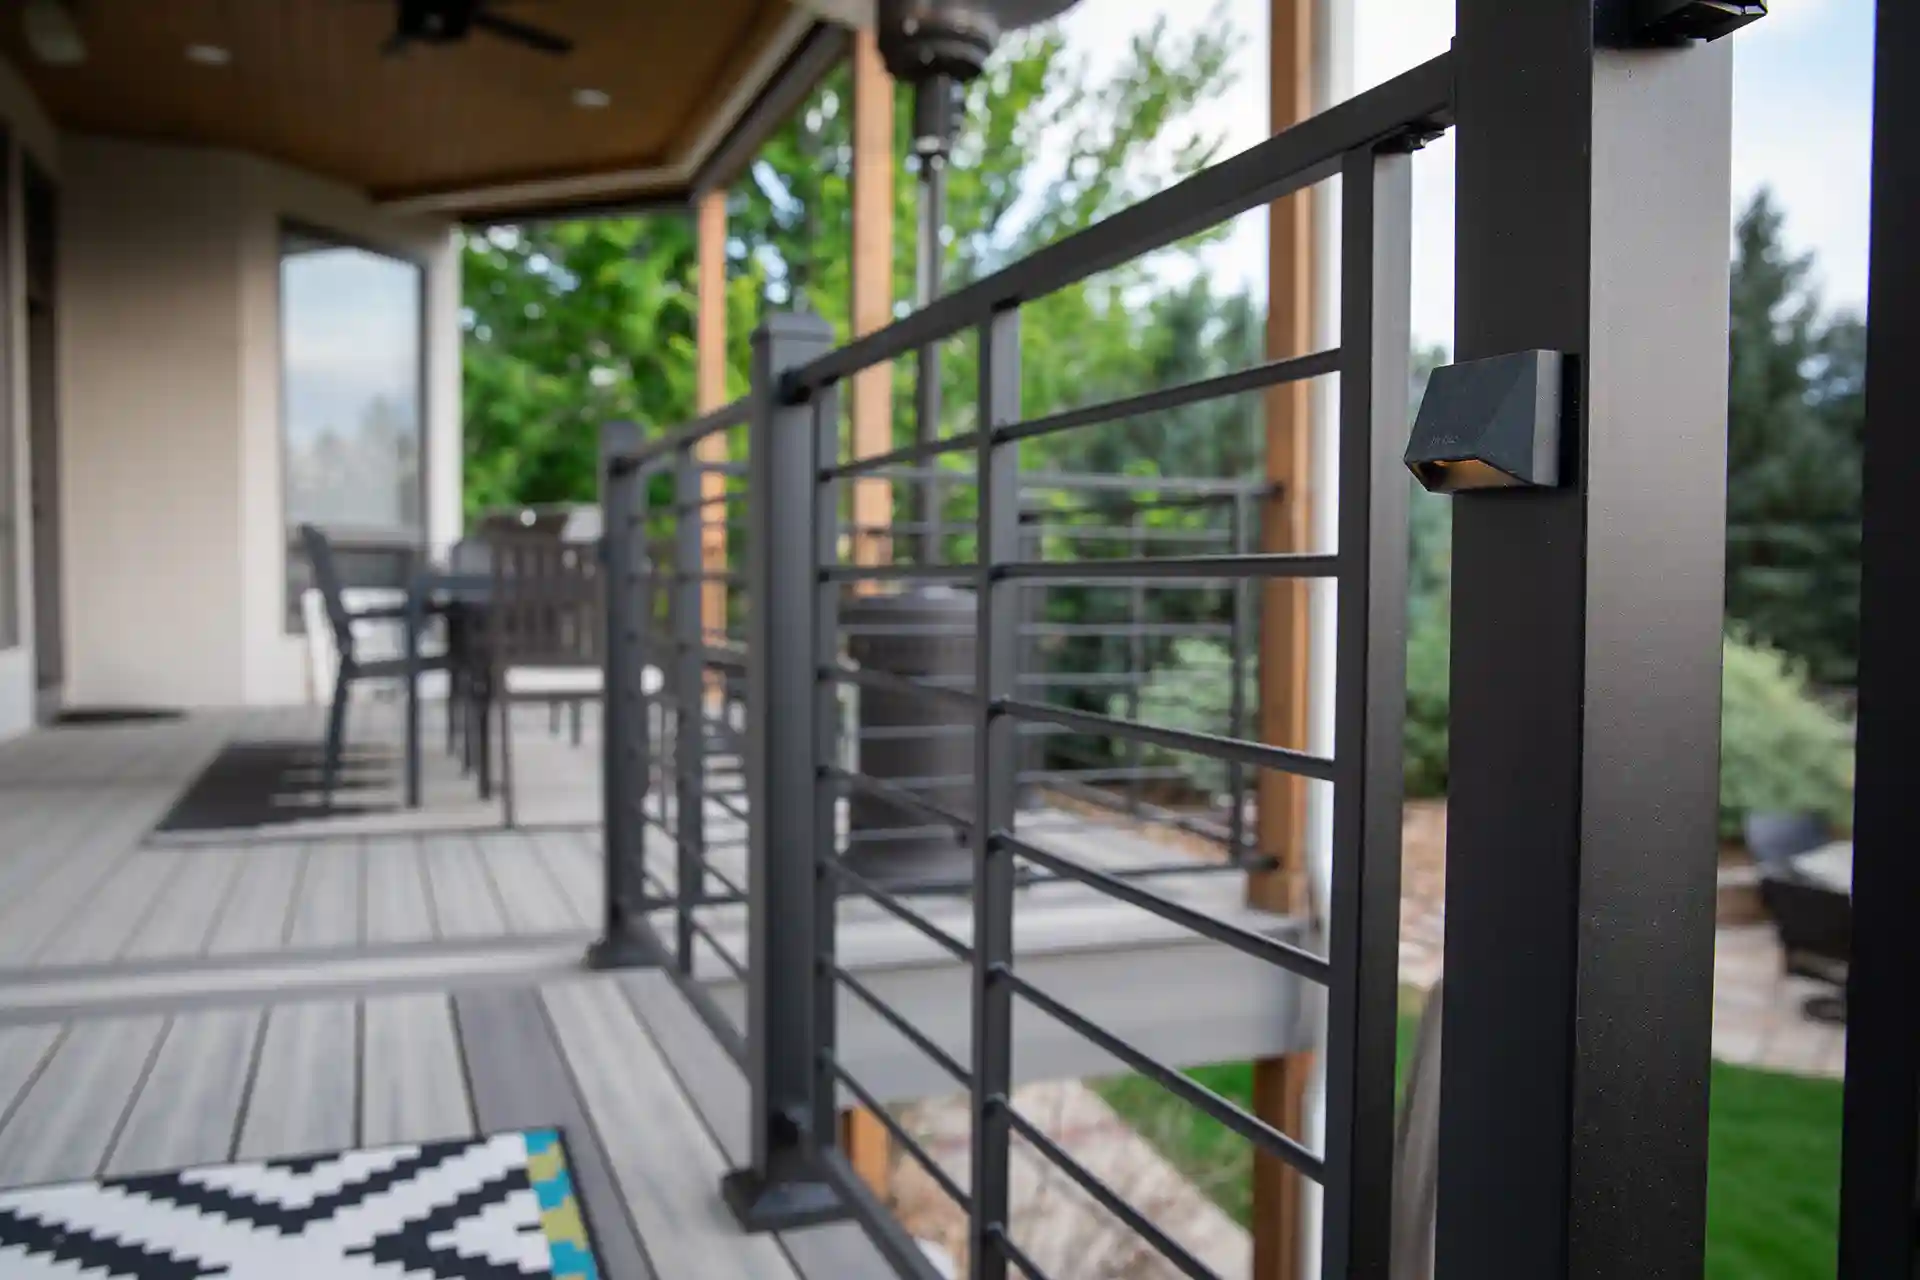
(352, 408)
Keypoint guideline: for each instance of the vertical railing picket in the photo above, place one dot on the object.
(685, 680)
(782, 1187)
(996, 774)
(624, 747)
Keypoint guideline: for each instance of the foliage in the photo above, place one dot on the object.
(1795, 420)
(1193, 693)
(1429, 649)
(1773, 1159)
(1781, 748)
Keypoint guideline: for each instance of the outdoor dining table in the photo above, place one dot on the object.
(456, 595)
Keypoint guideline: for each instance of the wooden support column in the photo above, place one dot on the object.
(710, 392)
(873, 209)
(1280, 1084)
(863, 1138)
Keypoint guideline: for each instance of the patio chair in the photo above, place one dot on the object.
(1776, 839)
(1815, 927)
(544, 633)
(353, 663)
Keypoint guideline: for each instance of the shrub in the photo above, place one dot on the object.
(1781, 747)
(1428, 647)
(1193, 693)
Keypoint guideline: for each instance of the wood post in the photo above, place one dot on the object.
(867, 1144)
(710, 392)
(1280, 1084)
(872, 303)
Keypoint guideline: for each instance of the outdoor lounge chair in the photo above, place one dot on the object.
(1815, 926)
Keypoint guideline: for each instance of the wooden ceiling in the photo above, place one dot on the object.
(445, 127)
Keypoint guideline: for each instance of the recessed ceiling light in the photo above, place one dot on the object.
(209, 55)
(591, 99)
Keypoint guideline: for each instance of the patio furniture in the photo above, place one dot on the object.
(1776, 840)
(1815, 926)
(353, 662)
(543, 633)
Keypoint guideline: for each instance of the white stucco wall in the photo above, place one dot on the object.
(31, 131)
(172, 483)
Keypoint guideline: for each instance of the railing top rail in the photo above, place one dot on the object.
(1420, 100)
(727, 415)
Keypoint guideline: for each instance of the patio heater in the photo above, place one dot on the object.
(925, 632)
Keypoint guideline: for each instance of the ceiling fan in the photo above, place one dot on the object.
(443, 22)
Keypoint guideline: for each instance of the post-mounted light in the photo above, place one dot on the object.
(1490, 424)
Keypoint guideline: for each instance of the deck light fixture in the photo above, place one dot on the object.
(209, 55)
(591, 99)
(1490, 424)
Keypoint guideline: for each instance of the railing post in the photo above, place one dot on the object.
(624, 760)
(1585, 666)
(791, 1106)
(996, 782)
(686, 679)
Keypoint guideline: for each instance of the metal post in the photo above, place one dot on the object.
(929, 495)
(624, 764)
(1376, 195)
(782, 1188)
(996, 774)
(1237, 696)
(687, 681)
(1136, 657)
(1592, 184)
(823, 650)
(1881, 1155)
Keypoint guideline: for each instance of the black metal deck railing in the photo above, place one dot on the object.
(787, 721)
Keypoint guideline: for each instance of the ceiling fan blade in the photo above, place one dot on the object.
(522, 33)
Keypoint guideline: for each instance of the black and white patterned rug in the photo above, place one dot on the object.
(494, 1208)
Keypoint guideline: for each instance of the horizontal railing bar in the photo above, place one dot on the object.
(997, 1233)
(887, 682)
(885, 790)
(1202, 827)
(918, 1038)
(725, 468)
(900, 1135)
(1296, 960)
(898, 1250)
(899, 573)
(1163, 1244)
(1162, 630)
(1247, 1125)
(1236, 750)
(1419, 100)
(1239, 382)
(720, 799)
(1115, 773)
(738, 969)
(1084, 679)
(900, 910)
(731, 885)
(727, 415)
(1125, 533)
(909, 453)
(696, 994)
(1146, 569)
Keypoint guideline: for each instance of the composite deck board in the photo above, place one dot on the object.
(465, 904)
(22, 1051)
(257, 911)
(666, 1162)
(520, 1081)
(397, 906)
(326, 912)
(188, 1109)
(528, 891)
(65, 1123)
(184, 915)
(718, 1092)
(303, 1097)
(92, 855)
(576, 868)
(413, 1083)
(100, 928)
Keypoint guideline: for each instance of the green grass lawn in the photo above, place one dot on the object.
(1773, 1180)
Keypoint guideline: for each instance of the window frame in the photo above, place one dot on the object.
(409, 545)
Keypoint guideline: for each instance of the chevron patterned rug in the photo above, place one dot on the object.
(495, 1208)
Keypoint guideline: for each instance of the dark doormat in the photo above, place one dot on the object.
(81, 716)
(264, 784)
(465, 1209)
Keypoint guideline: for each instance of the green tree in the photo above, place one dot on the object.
(1795, 416)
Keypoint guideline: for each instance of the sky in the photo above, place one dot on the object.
(1802, 112)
